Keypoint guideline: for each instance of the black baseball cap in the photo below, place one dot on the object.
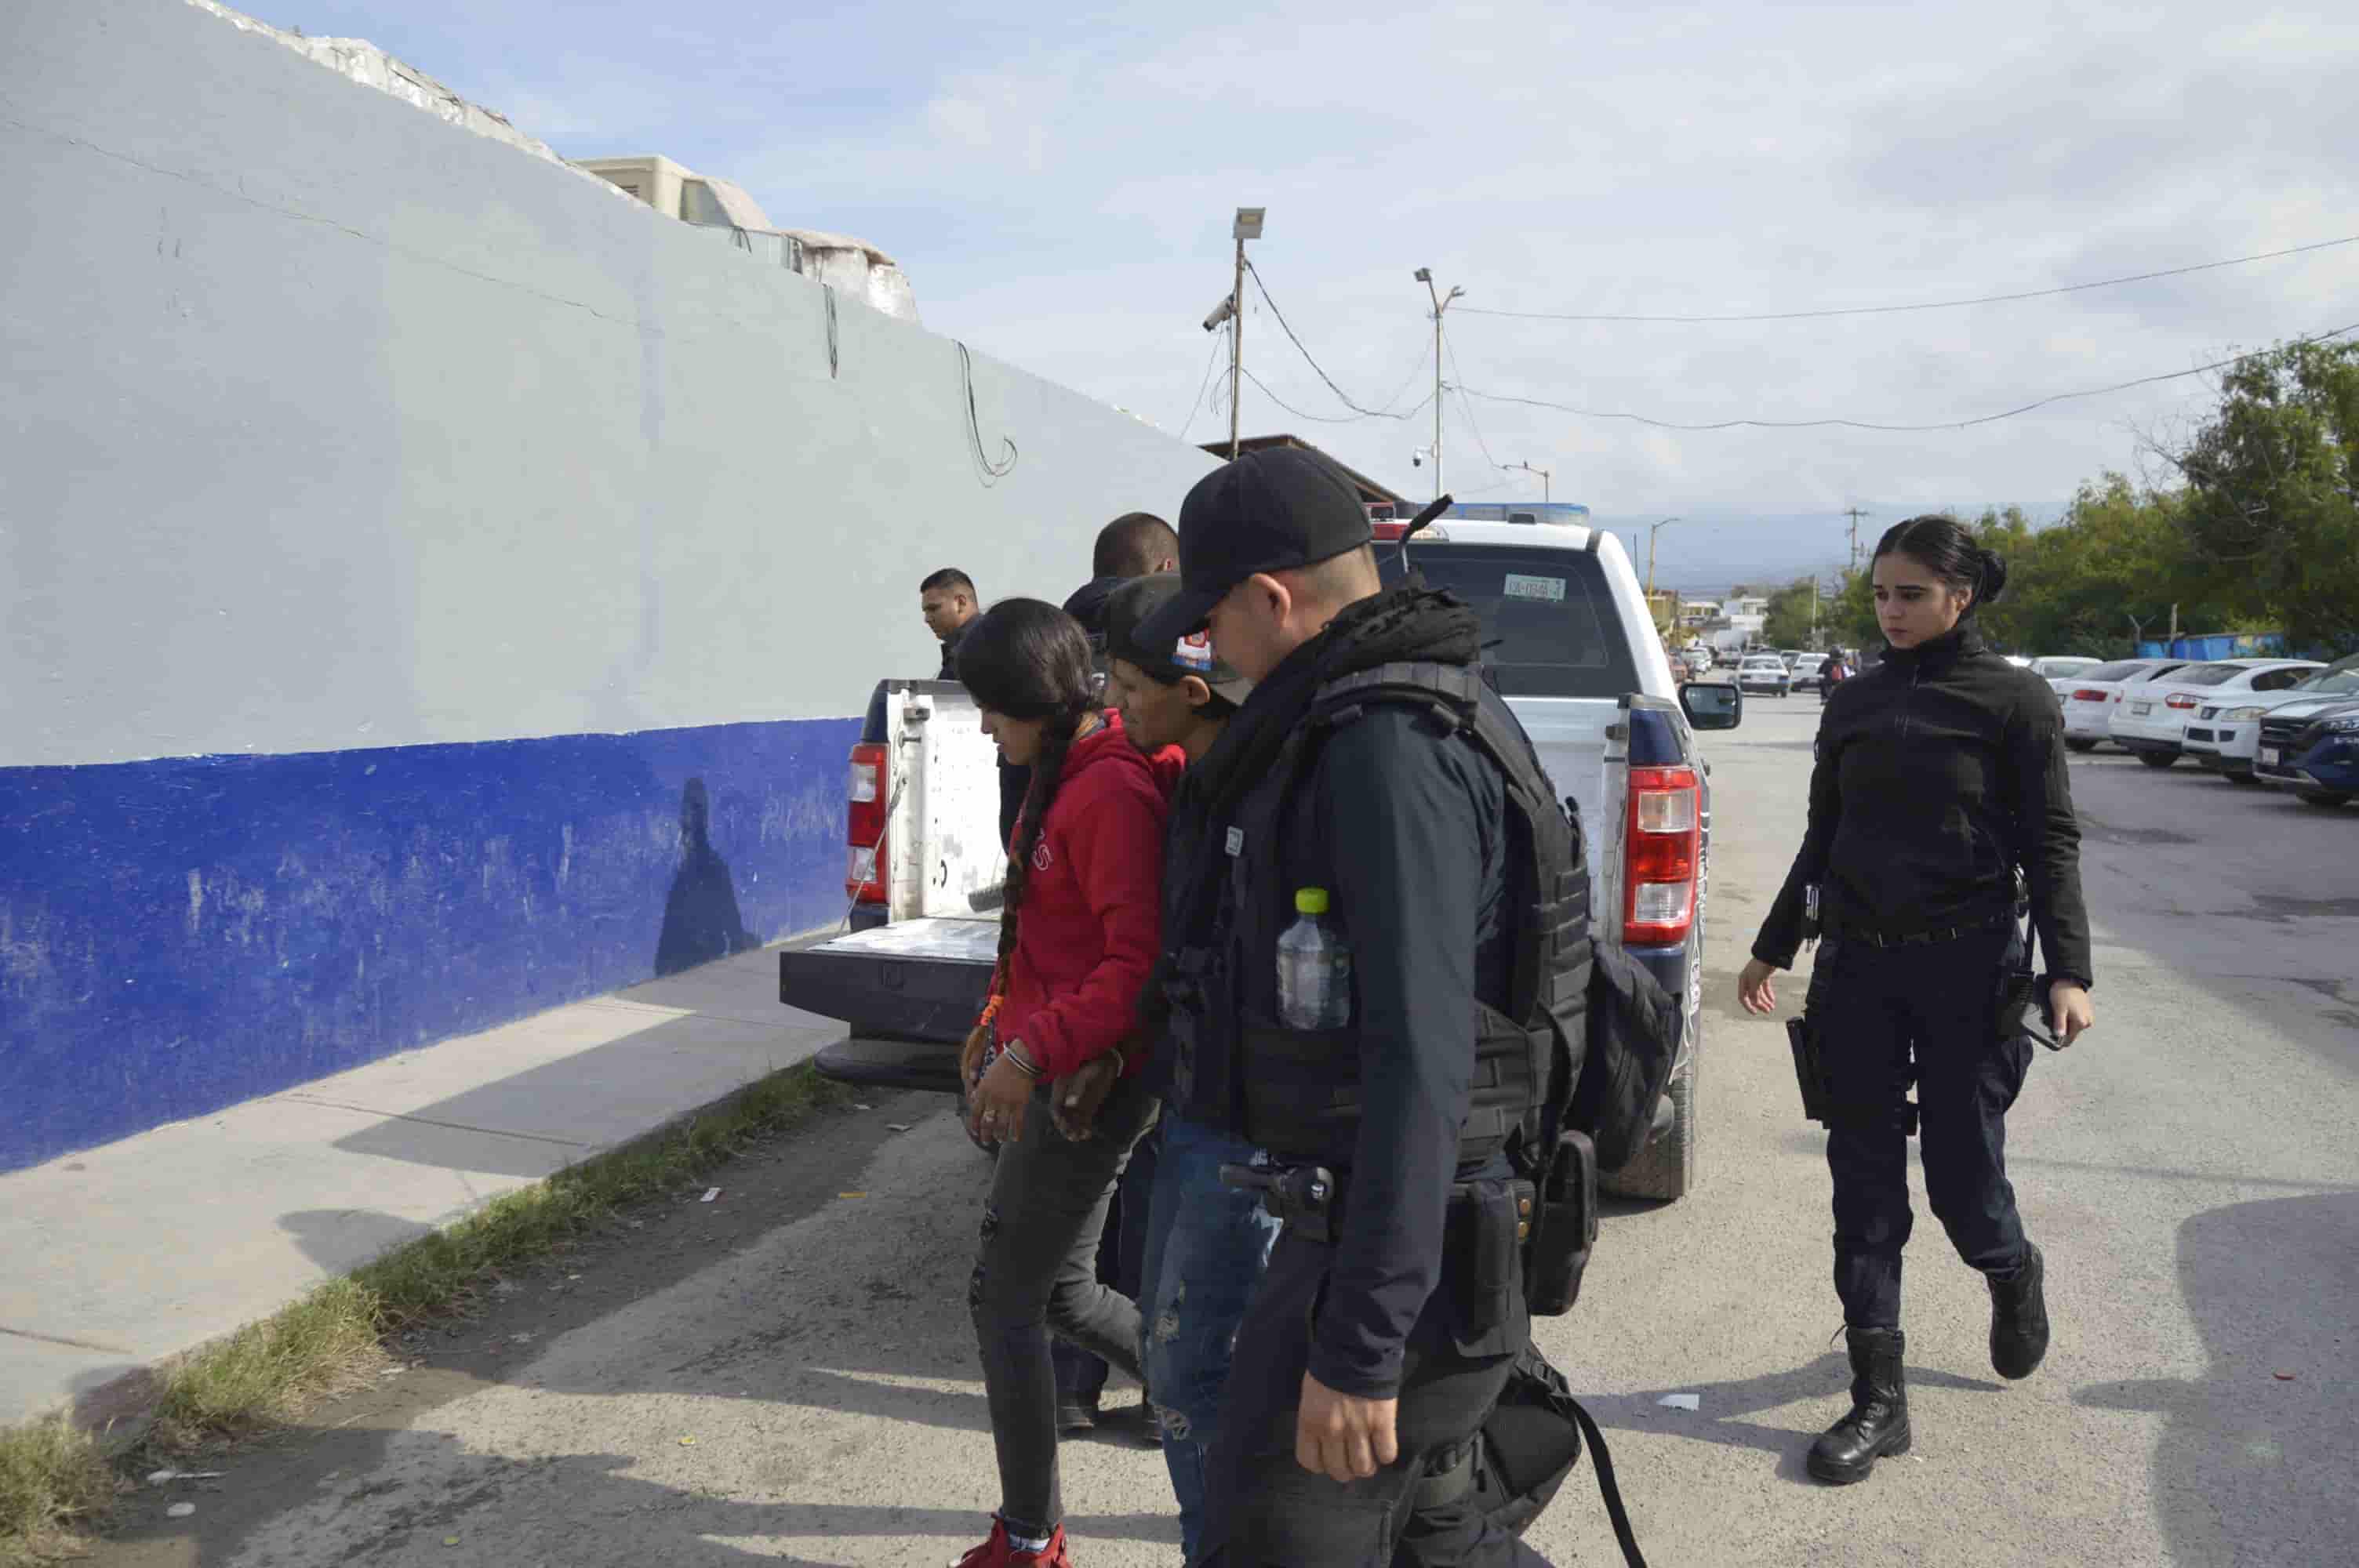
(1267, 511)
(1130, 605)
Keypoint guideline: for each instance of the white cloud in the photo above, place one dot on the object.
(1060, 190)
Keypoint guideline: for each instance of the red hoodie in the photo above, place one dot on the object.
(1091, 920)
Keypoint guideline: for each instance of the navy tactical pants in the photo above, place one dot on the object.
(1885, 1017)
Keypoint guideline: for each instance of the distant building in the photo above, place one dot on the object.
(856, 268)
(1699, 612)
(1753, 605)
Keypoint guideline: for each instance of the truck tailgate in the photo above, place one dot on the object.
(920, 978)
(909, 991)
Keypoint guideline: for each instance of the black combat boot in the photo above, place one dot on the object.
(2019, 1317)
(1879, 1422)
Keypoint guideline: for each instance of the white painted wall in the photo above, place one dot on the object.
(327, 425)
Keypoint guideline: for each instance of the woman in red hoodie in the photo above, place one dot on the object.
(1078, 933)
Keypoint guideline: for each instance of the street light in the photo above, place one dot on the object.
(1440, 304)
(1650, 556)
(1544, 479)
(1247, 227)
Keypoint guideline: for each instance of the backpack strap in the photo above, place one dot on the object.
(1608, 1488)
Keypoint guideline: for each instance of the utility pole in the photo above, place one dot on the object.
(1528, 468)
(1247, 227)
(1854, 514)
(1650, 556)
(1440, 304)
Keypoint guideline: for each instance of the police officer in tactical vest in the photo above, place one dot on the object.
(1365, 973)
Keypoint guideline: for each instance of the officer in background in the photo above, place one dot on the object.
(1393, 1307)
(1941, 777)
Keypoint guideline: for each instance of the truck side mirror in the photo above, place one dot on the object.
(1712, 705)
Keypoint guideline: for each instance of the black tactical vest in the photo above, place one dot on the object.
(1296, 1092)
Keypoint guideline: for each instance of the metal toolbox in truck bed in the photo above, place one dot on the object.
(909, 990)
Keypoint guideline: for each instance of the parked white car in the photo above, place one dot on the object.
(2088, 701)
(1765, 672)
(2058, 670)
(2225, 735)
(2152, 722)
(1809, 670)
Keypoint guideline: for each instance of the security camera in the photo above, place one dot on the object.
(1417, 458)
(1221, 312)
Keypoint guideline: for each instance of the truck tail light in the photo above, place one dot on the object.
(2179, 699)
(1663, 843)
(2088, 693)
(866, 864)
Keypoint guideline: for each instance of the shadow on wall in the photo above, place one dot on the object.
(701, 921)
(2255, 1461)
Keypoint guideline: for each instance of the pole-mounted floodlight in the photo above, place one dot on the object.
(1248, 225)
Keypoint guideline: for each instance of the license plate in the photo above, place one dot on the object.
(2269, 756)
(2141, 708)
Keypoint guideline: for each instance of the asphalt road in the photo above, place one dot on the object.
(2189, 1168)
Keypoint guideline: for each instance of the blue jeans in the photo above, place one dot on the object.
(1206, 1246)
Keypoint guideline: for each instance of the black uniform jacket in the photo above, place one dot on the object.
(1939, 772)
(1415, 860)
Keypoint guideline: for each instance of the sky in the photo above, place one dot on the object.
(1058, 182)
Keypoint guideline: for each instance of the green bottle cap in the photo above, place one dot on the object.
(1309, 900)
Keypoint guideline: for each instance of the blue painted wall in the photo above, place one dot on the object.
(179, 934)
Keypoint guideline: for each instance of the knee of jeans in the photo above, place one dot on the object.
(981, 1295)
(1187, 1365)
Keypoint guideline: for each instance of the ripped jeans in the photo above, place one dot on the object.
(1206, 1246)
(1035, 1272)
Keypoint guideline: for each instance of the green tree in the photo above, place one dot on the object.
(1786, 623)
(1849, 617)
(2272, 497)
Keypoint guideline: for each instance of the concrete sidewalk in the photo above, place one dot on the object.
(121, 1256)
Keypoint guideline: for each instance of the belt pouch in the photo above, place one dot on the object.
(1565, 1229)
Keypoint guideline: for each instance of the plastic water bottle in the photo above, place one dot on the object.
(1314, 968)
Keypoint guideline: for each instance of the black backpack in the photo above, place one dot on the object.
(1530, 1443)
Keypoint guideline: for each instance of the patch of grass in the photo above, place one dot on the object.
(53, 1475)
(436, 1272)
(267, 1372)
(54, 1479)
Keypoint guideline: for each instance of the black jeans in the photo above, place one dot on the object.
(1885, 1017)
(1122, 1255)
(1036, 1270)
(1264, 1511)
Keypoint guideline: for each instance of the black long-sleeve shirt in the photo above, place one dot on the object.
(1415, 818)
(1939, 772)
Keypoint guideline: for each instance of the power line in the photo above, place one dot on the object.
(1926, 305)
(1468, 408)
(1193, 408)
(1330, 418)
(1384, 413)
(1944, 425)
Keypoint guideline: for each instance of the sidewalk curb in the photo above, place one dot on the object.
(120, 1411)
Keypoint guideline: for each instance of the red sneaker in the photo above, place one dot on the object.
(997, 1552)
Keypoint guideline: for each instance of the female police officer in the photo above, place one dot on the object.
(1940, 773)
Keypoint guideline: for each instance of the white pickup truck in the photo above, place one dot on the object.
(1570, 644)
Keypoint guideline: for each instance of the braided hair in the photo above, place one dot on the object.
(1028, 659)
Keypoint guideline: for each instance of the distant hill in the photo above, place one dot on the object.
(1709, 554)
